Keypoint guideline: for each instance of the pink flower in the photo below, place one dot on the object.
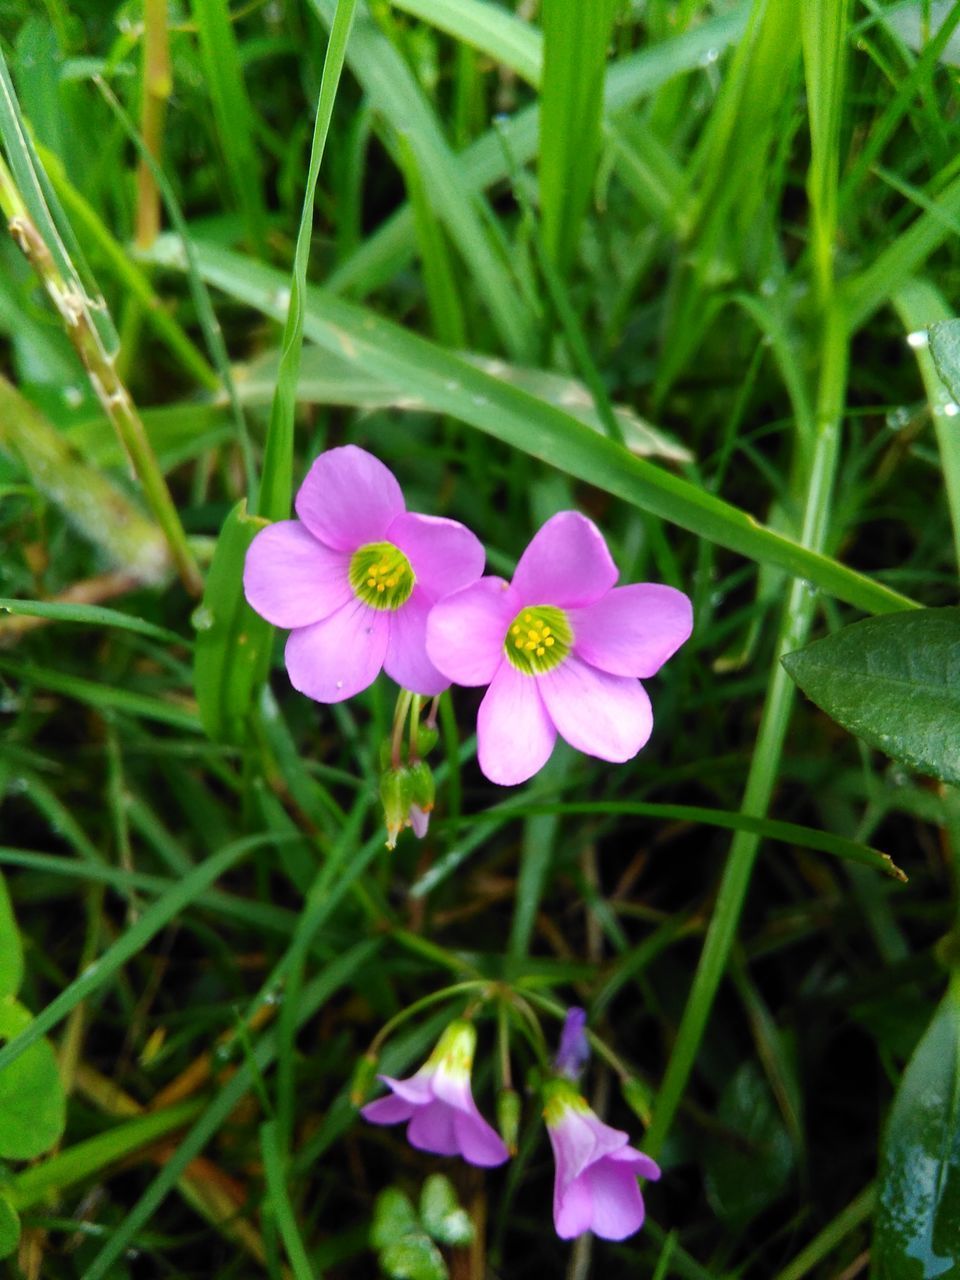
(439, 1104)
(596, 1187)
(561, 648)
(354, 579)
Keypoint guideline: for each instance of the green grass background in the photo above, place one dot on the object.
(660, 261)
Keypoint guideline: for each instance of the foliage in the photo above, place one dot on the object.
(689, 269)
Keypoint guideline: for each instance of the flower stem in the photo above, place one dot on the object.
(435, 997)
(404, 698)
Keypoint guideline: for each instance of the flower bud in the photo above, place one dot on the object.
(422, 795)
(395, 795)
(364, 1074)
(508, 1117)
(427, 738)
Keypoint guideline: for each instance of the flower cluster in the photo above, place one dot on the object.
(364, 585)
(596, 1169)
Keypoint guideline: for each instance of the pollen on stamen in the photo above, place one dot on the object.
(538, 640)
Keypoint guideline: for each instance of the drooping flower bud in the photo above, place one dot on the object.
(396, 797)
(422, 796)
(574, 1051)
(508, 1117)
(364, 1074)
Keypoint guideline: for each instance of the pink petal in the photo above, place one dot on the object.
(417, 1089)
(465, 631)
(639, 1163)
(633, 630)
(388, 1110)
(406, 660)
(567, 564)
(419, 821)
(291, 579)
(599, 714)
(514, 733)
(480, 1144)
(431, 1129)
(348, 498)
(578, 1139)
(336, 658)
(617, 1203)
(444, 554)
(572, 1208)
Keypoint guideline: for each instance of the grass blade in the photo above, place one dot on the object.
(543, 431)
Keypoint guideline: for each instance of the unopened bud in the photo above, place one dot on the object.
(508, 1117)
(364, 1074)
(427, 738)
(395, 795)
(423, 790)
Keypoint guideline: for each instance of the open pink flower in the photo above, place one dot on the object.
(354, 579)
(595, 1188)
(561, 648)
(439, 1104)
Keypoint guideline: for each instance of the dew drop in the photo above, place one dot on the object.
(919, 339)
(202, 618)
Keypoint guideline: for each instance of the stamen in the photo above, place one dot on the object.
(381, 575)
(542, 639)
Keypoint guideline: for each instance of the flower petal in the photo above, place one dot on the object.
(632, 631)
(465, 631)
(579, 1138)
(444, 554)
(338, 657)
(431, 1129)
(566, 563)
(641, 1164)
(417, 1089)
(291, 579)
(480, 1144)
(348, 497)
(617, 1202)
(389, 1110)
(406, 660)
(599, 714)
(514, 733)
(572, 1208)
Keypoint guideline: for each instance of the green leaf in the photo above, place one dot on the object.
(393, 1217)
(441, 1213)
(9, 1228)
(894, 681)
(747, 1170)
(918, 1216)
(11, 948)
(233, 643)
(944, 341)
(414, 1257)
(32, 1102)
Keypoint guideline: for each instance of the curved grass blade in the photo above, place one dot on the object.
(541, 430)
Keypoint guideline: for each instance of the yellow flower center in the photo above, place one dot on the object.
(381, 575)
(538, 640)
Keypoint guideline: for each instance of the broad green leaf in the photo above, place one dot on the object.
(932, 332)
(917, 1226)
(32, 1102)
(747, 1170)
(442, 1215)
(9, 1227)
(11, 948)
(893, 681)
(415, 1257)
(233, 643)
(393, 1217)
